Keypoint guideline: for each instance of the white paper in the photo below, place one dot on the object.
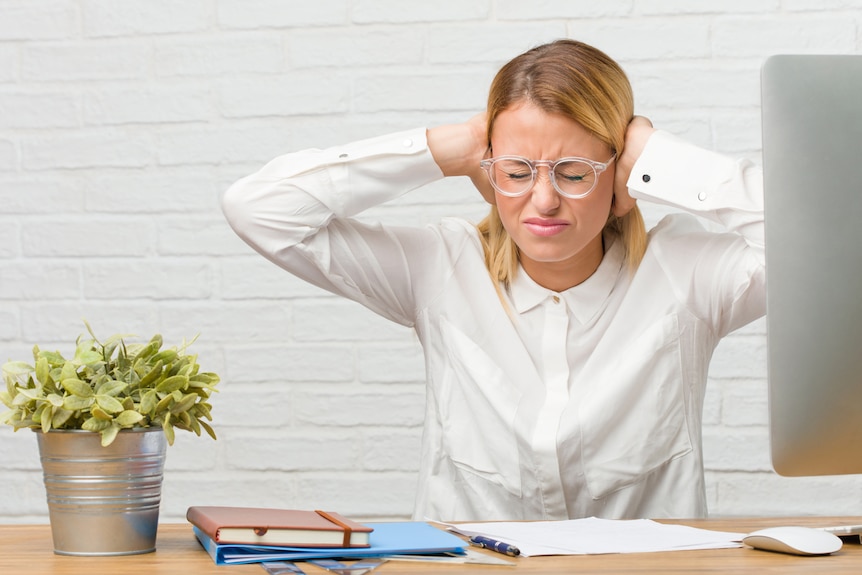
(595, 536)
(469, 557)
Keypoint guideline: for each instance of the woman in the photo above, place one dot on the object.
(566, 352)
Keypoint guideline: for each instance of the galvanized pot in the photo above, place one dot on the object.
(103, 500)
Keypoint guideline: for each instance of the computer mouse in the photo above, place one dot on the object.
(795, 540)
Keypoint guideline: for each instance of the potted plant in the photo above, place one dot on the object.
(105, 416)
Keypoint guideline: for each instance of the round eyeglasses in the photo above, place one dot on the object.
(514, 176)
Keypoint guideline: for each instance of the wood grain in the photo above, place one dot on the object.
(27, 550)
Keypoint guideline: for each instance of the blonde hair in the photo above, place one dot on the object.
(583, 83)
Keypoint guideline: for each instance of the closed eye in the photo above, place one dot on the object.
(518, 176)
(574, 172)
(574, 178)
(514, 170)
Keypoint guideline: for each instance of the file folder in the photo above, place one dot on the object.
(391, 538)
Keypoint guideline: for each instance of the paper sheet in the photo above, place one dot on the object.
(595, 536)
(468, 557)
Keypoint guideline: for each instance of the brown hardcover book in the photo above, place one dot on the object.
(285, 527)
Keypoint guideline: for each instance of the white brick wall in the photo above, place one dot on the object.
(121, 121)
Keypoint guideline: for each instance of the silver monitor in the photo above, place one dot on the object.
(812, 175)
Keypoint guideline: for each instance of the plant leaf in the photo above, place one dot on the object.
(207, 428)
(169, 431)
(164, 403)
(46, 417)
(109, 404)
(90, 329)
(148, 402)
(109, 434)
(21, 399)
(108, 349)
(195, 425)
(43, 370)
(206, 378)
(30, 393)
(85, 351)
(61, 416)
(17, 368)
(100, 413)
(128, 418)
(55, 358)
(89, 357)
(69, 371)
(111, 387)
(95, 424)
(77, 387)
(56, 400)
(203, 408)
(152, 375)
(75, 403)
(37, 415)
(166, 355)
(173, 383)
(147, 351)
(184, 404)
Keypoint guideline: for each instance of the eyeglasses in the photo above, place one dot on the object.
(514, 176)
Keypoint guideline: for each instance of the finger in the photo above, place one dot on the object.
(623, 205)
(622, 201)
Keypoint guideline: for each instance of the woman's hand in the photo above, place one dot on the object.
(637, 134)
(458, 149)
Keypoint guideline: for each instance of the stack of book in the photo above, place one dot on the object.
(233, 535)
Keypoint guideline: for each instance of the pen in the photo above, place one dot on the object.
(494, 545)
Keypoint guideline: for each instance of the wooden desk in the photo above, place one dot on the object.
(27, 550)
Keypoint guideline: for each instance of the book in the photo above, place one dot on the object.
(393, 538)
(278, 527)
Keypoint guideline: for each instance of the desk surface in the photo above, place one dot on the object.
(28, 550)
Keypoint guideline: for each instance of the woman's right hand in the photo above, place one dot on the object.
(458, 149)
(638, 132)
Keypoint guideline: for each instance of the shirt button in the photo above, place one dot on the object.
(646, 178)
(701, 196)
(342, 156)
(407, 143)
(556, 299)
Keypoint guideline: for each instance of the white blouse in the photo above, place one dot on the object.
(581, 403)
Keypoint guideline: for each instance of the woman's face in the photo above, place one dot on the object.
(560, 239)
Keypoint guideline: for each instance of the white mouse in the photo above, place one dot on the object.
(795, 540)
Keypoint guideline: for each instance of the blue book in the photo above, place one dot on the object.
(396, 538)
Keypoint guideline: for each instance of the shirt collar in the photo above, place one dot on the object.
(585, 299)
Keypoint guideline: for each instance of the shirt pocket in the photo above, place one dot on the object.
(634, 419)
(478, 404)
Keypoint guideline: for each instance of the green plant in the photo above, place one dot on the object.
(109, 386)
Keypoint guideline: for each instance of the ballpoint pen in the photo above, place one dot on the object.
(494, 545)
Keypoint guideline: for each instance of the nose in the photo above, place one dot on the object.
(544, 196)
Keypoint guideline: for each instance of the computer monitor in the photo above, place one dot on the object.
(812, 162)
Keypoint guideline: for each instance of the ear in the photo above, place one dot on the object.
(621, 208)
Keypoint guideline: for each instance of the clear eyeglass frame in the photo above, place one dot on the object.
(597, 167)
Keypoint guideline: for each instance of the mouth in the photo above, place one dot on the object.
(545, 227)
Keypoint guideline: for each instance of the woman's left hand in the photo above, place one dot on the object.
(637, 134)
(458, 149)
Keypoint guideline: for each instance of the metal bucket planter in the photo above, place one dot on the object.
(103, 500)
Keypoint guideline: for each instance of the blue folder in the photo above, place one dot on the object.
(396, 538)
